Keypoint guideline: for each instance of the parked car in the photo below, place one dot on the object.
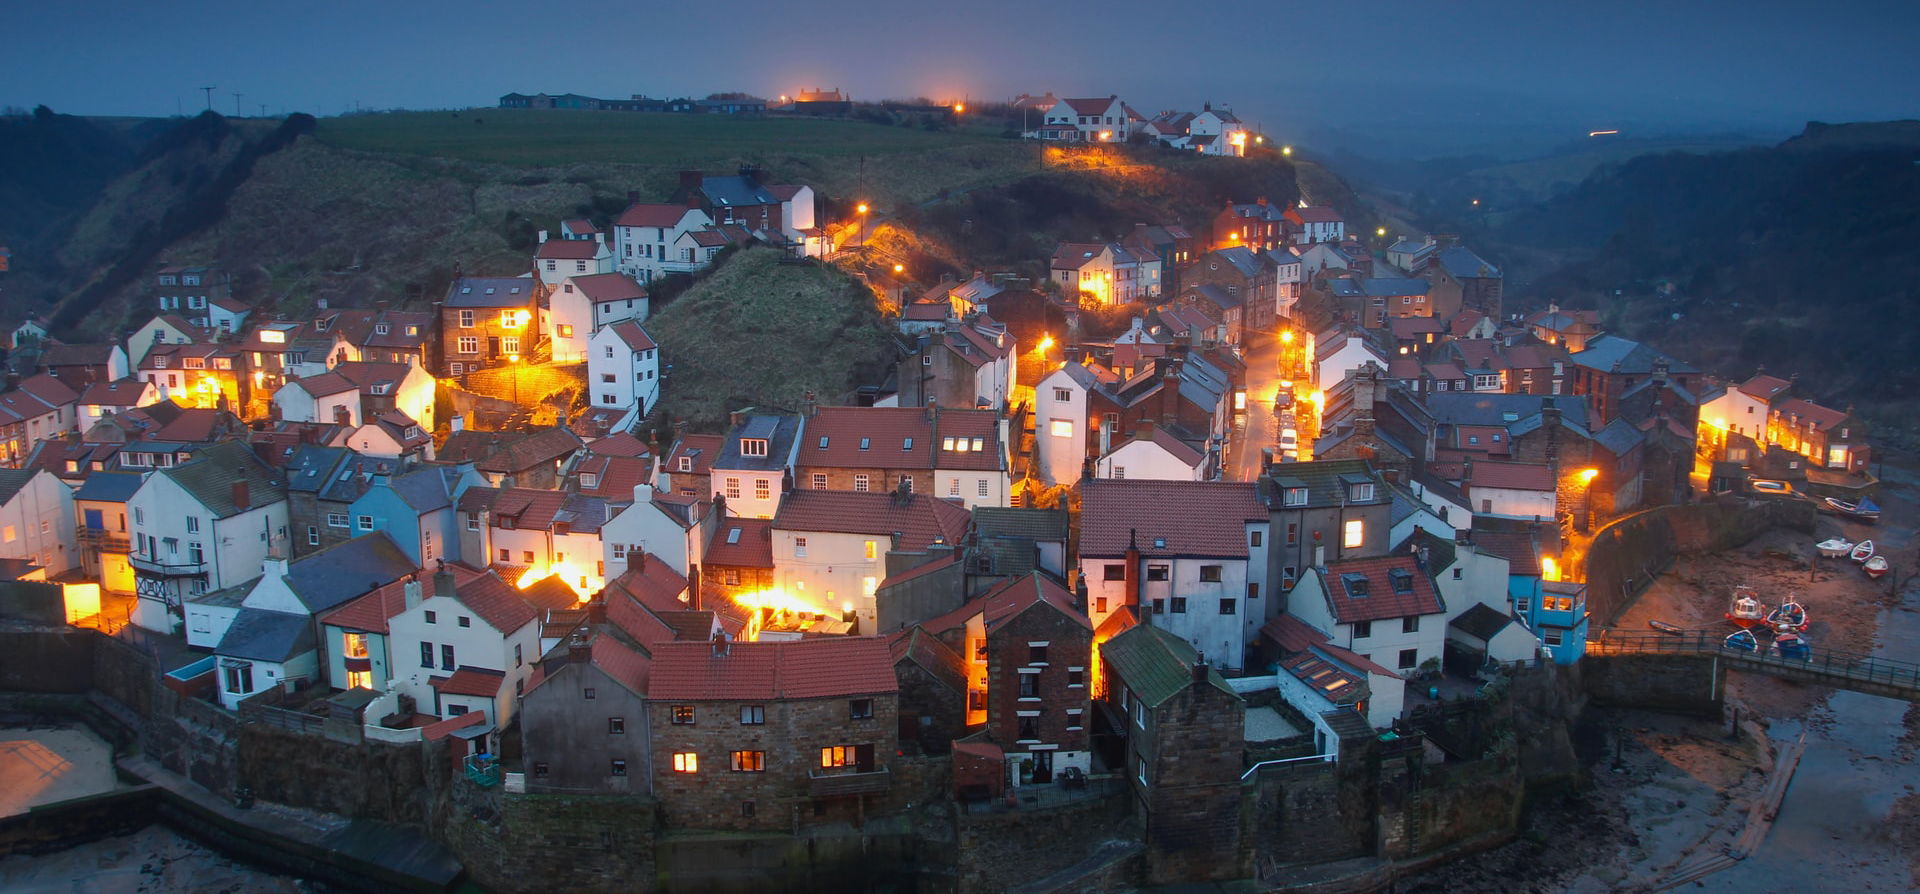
(1769, 486)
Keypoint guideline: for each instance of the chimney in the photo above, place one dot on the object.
(693, 586)
(1319, 554)
(643, 493)
(443, 585)
(273, 568)
(808, 404)
(543, 237)
(1200, 667)
(242, 500)
(579, 648)
(1132, 591)
(721, 645)
(597, 610)
(1261, 201)
(411, 590)
(639, 562)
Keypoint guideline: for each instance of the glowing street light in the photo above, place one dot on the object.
(1106, 135)
(899, 268)
(1286, 150)
(959, 107)
(1286, 336)
(1380, 231)
(1046, 342)
(861, 209)
(1587, 475)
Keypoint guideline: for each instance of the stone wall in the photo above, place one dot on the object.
(998, 851)
(1547, 700)
(61, 825)
(510, 842)
(1691, 684)
(1440, 807)
(374, 780)
(1311, 812)
(1629, 553)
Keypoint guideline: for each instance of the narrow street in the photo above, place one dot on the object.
(1258, 427)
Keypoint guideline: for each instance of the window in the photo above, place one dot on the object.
(1409, 659)
(749, 761)
(1115, 572)
(1179, 605)
(753, 715)
(860, 483)
(1030, 729)
(819, 481)
(1060, 428)
(366, 523)
(1362, 629)
(240, 678)
(510, 344)
(1360, 493)
(465, 621)
(1029, 685)
(506, 555)
(682, 715)
(466, 320)
(837, 756)
(1119, 473)
(1210, 573)
(446, 656)
(313, 536)
(1294, 496)
(1410, 624)
(616, 726)
(1073, 719)
(753, 446)
(194, 555)
(1354, 534)
(193, 524)
(1456, 574)
(746, 807)
(799, 547)
(953, 487)
(426, 654)
(733, 488)
(1063, 395)
(526, 557)
(1036, 653)
(1227, 607)
(981, 486)
(1552, 637)
(1157, 572)
(1523, 605)
(1076, 676)
(517, 660)
(762, 489)
(336, 519)
(587, 693)
(540, 770)
(860, 709)
(1254, 538)
(432, 617)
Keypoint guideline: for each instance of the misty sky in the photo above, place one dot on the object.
(1448, 66)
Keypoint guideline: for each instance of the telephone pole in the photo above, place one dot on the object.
(236, 105)
(209, 92)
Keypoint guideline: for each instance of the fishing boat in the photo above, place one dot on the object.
(1834, 548)
(1745, 609)
(1741, 641)
(1791, 646)
(1862, 551)
(1664, 627)
(1788, 616)
(1866, 510)
(1875, 567)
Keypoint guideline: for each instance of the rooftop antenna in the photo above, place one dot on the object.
(209, 92)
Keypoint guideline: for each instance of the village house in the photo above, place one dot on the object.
(1184, 732)
(1370, 416)
(1154, 453)
(756, 462)
(470, 646)
(80, 366)
(1554, 611)
(1462, 280)
(100, 517)
(1105, 273)
(1338, 352)
(355, 393)
(623, 369)
(1081, 410)
(1195, 553)
(556, 259)
(37, 520)
(1172, 244)
(528, 534)
(1324, 508)
(203, 295)
(595, 301)
(200, 375)
(372, 335)
(202, 526)
(356, 640)
(1610, 367)
(416, 509)
(102, 399)
(531, 458)
(644, 233)
(1217, 132)
(1088, 121)
(487, 322)
(164, 329)
(1310, 224)
(31, 332)
(38, 408)
(953, 454)
(664, 527)
(322, 482)
(1385, 608)
(741, 198)
(830, 547)
(959, 364)
(933, 691)
(689, 465)
(585, 714)
(1256, 226)
(739, 558)
(1247, 279)
(393, 435)
(1510, 490)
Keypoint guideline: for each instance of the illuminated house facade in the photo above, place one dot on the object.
(202, 526)
(487, 322)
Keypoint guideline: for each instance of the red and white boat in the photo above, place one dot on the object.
(1745, 610)
(1875, 567)
(1862, 551)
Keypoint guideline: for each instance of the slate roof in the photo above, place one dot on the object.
(1167, 518)
(330, 577)
(76, 355)
(12, 480)
(1482, 621)
(1216, 296)
(1613, 354)
(826, 667)
(751, 547)
(1619, 437)
(1461, 263)
(780, 430)
(920, 519)
(499, 291)
(261, 635)
(1519, 548)
(1326, 481)
(1491, 408)
(733, 190)
(1378, 599)
(211, 475)
(1393, 286)
(105, 487)
(1329, 680)
(1155, 665)
(614, 476)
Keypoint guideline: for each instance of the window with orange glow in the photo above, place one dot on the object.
(837, 756)
(686, 762)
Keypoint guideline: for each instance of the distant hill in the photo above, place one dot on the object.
(1799, 256)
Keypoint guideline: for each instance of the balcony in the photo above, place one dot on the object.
(831, 784)
(104, 541)
(166, 569)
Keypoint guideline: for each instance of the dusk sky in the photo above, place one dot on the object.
(1451, 67)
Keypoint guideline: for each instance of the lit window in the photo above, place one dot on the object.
(837, 756)
(749, 761)
(682, 715)
(686, 762)
(1354, 534)
(1060, 428)
(871, 549)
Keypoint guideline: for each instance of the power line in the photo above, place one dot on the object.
(209, 92)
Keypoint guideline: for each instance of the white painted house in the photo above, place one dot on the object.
(1060, 423)
(830, 546)
(759, 453)
(1098, 120)
(203, 526)
(623, 369)
(644, 234)
(1385, 608)
(557, 259)
(1511, 490)
(604, 299)
(37, 520)
(671, 531)
(1218, 132)
(1338, 353)
(1152, 453)
(465, 647)
(355, 392)
(102, 399)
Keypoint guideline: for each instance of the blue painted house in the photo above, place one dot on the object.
(416, 509)
(1556, 611)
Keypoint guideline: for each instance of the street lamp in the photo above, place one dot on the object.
(861, 209)
(515, 360)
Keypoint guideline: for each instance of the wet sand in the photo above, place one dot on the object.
(154, 859)
(47, 764)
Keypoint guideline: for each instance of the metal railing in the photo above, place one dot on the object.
(1835, 665)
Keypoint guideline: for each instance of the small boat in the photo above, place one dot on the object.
(1664, 627)
(1866, 510)
(1789, 616)
(1746, 610)
(1834, 548)
(1875, 567)
(1741, 641)
(1792, 646)
(1862, 551)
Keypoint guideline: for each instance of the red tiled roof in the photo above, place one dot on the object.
(1821, 417)
(608, 287)
(634, 336)
(835, 436)
(371, 612)
(624, 665)
(690, 626)
(709, 238)
(1009, 599)
(927, 311)
(626, 613)
(1464, 321)
(702, 448)
(920, 519)
(652, 215)
(194, 424)
(927, 651)
(122, 393)
(826, 667)
(324, 384)
(1295, 635)
(1515, 476)
(436, 731)
(470, 681)
(614, 476)
(1381, 601)
(621, 444)
(751, 548)
(1765, 387)
(1193, 518)
(579, 226)
(654, 584)
(1097, 106)
(496, 602)
(1315, 214)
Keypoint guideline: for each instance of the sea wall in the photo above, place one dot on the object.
(1628, 553)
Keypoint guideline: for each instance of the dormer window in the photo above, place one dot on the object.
(1294, 496)
(159, 363)
(754, 446)
(1356, 585)
(381, 329)
(589, 479)
(413, 330)
(382, 388)
(1401, 579)
(686, 464)
(1360, 493)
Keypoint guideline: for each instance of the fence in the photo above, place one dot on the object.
(1836, 667)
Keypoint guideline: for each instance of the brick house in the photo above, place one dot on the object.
(486, 321)
(953, 454)
(1173, 245)
(756, 736)
(1256, 225)
(1611, 366)
(733, 199)
(963, 364)
(1039, 650)
(1244, 275)
(689, 464)
(1184, 730)
(739, 559)
(1463, 280)
(1832, 439)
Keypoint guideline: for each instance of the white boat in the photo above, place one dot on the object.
(1862, 551)
(1875, 566)
(1834, 548)
(1745, 610)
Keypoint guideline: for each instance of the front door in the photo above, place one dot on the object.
(863, 758)
(1042, 767)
